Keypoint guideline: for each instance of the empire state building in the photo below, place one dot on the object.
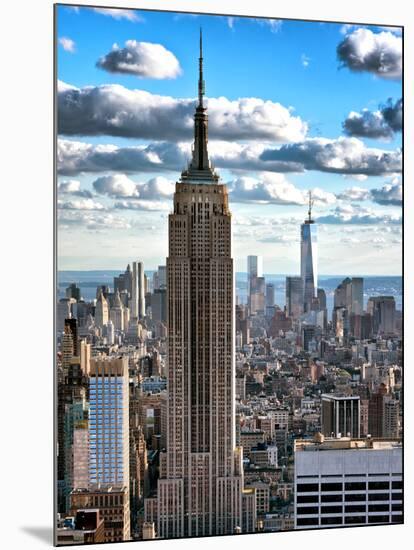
(200, 490)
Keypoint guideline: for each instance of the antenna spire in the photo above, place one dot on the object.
(201, 85)
(311, 201)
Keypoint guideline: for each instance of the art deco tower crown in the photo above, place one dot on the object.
(199, 169)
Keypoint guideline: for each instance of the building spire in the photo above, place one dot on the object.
(201, 85)
(199, 169)
(311, 201)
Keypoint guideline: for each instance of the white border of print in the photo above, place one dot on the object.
(26, 464)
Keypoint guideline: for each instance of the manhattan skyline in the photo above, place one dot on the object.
(185, 395)
(116, 181)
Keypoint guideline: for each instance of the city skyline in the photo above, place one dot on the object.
(186, 397)
(117, 210)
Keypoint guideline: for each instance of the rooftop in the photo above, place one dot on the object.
(319, 443)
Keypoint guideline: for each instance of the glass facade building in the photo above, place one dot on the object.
(309, 262)
(108, 423)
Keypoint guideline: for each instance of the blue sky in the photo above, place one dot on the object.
(295, 87)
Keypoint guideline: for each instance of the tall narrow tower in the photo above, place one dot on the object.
(309, 258)
(138, 291)
(200, 490)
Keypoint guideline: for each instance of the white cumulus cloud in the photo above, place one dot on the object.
(143, 59)
(378, 53)
(117, 185)
(115, 110)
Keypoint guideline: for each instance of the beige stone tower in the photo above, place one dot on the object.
(200, 490)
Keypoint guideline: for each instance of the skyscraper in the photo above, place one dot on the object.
(101, 310)
(108, 421)
(270, 295)
(357, 295)
(382, 309)
(116, 313)
(294, 296)
(309, 259)
(350, 294)
(109, 442)
(201, 491)
(138, 291)
(255, 284)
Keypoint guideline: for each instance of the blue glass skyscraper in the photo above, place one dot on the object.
(309, 259)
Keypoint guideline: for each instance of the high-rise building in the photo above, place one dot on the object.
(270, 295)
(357, 295)
(256, 285)
(74, 292)
(110, 333)
(108, 420)
(101, 310)
(309, 259)
(254, 266)
(391, 417)
(80, 453)
(257, 296)
(341, 415)
(200, 490)
(63, 312)
(159, 305)
(124, 281)
(376, 412)
(162, 276)
(350, 295)
(159, 278)
(294, 296)
(243, 324)
(116, 313)
(347, 482)
(108, 467)
(382, 310)
(138, 291)
(321, 300)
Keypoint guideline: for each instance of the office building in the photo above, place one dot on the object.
(159, 305)
(382, 310)
(294, 296)
(108, 421)
(342, 482)
(112, 501)
(270, 295)
(256, 286)
(340, 415)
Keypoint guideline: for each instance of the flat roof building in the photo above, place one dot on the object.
(344, 481)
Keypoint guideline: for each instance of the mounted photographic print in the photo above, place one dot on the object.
(228, 316)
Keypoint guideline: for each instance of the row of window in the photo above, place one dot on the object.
(351, 497)
(350, 520)
(311, 510)
(349, 486)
